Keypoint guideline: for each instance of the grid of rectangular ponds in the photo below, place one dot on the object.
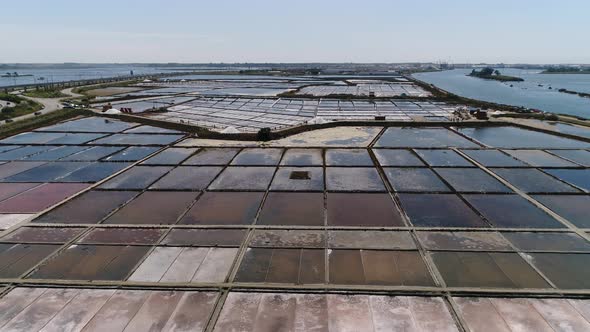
(145, 104)
(366, 89)
(318, 88)
(205, 85)
(251, 114)
(426, 222)
(210, 87)
(178, 88)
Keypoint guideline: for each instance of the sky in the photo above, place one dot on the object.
(391, 31)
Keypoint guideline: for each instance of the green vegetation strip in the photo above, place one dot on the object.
(83, 89)
(19, 106)
(45, 93)
(18, 127)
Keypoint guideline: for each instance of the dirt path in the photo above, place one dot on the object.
(69, 91)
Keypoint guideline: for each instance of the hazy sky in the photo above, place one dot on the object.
(510, 31)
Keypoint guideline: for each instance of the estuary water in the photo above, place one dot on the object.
(534, 92)
(57, 74)
(47, 73)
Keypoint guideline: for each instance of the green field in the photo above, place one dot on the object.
(19, 106)
(29, 124)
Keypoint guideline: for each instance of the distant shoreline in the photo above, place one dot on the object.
(567, 70)
(585, 72)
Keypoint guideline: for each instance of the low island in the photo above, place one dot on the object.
(489, 73)
(581, 94)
